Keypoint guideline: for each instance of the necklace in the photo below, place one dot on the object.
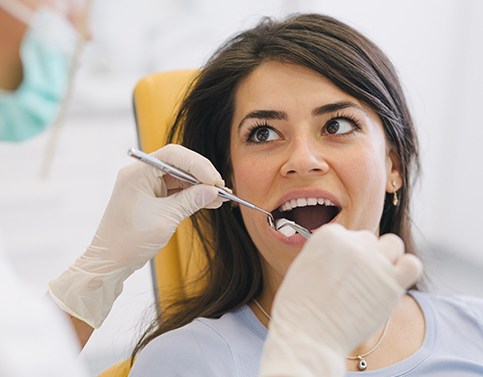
(362, 364)
(259, 306)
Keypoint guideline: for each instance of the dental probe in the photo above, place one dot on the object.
(187, 177)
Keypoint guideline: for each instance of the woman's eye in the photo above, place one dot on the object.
(339, 126)
(262, 134)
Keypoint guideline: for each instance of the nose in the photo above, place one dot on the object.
(305, 156)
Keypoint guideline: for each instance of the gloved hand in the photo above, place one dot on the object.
(145, 209)
(339, 290)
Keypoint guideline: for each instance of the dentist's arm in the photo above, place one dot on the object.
(145, 209)
(338, 291)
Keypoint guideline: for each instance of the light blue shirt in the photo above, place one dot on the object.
(232, 344)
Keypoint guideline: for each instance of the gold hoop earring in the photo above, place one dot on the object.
(395, 199)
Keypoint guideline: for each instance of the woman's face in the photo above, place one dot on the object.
(305, 150)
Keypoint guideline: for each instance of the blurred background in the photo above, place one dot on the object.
(53, 189)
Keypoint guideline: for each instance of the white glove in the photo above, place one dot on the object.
(339, 290)
(141, 217)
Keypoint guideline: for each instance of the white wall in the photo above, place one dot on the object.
(435, 44)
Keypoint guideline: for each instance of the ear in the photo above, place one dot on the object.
(393, 171)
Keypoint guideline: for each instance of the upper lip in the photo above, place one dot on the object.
(307, 194)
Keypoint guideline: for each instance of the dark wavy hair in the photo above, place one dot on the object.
(233, 276)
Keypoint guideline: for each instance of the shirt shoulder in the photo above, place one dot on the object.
(228, 346)
(456, 320)
(451, 307)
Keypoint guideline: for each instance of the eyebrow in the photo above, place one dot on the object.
(282, 115)
(336, 106)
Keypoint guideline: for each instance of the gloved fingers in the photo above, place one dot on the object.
(408, 270)
(330, 239)
(217, 203)
(154, 182)
(186, 202)
(326, 233)
(392, 247)
(174, 185)
(190, 161)
(407, 267)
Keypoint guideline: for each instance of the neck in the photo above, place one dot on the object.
(271, 283)
(404, 336)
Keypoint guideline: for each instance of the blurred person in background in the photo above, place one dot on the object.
(38, 39)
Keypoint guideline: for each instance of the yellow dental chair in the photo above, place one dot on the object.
(156, 98)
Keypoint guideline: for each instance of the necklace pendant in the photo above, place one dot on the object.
(362, 365)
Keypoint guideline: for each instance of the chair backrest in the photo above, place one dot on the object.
(156, 98)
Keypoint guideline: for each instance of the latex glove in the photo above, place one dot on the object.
(339, 290)
(141, 217)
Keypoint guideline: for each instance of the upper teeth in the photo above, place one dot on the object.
(303, 202)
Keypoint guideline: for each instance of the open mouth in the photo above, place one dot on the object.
(311, 213)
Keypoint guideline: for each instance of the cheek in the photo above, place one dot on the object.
(364, 177)
(251, 177)
(363, 163)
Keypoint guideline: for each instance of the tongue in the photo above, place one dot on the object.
(312, 217)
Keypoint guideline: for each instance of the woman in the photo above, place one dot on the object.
(305, 118)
